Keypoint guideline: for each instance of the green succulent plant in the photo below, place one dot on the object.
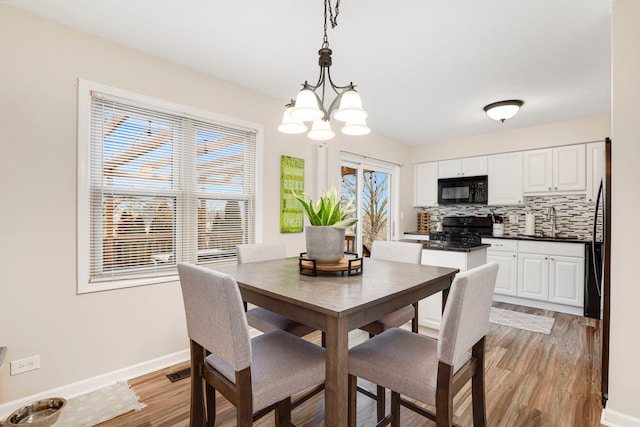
(328, 210)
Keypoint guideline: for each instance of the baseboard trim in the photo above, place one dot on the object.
(613, 418)
(90, 384)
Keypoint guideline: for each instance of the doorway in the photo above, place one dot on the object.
(371, 185)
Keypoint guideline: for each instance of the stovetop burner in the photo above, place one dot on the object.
(465, 231)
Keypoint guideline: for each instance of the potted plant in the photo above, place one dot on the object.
(328, 219)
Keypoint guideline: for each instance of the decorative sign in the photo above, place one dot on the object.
(291, 178)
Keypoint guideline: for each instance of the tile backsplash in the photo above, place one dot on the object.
(574, 216)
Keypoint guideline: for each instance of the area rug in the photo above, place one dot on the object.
(528, 322)
(98, 406)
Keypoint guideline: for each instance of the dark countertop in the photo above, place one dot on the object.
(561, 239)
(440, 246)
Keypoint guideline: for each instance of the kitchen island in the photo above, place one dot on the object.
(463, 256)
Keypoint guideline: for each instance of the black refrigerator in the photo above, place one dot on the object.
(598, 262)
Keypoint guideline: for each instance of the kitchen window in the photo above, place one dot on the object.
(159, 183)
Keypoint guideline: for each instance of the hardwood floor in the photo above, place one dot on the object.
(532, 380)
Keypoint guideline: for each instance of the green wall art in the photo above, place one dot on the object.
(291, 178)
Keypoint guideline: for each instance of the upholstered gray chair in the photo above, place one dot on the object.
(258, 317)
(433, 371)
(256, 375)
(402, 252)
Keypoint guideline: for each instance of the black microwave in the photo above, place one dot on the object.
(466, 190)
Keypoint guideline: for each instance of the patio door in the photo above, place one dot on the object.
(372, 184)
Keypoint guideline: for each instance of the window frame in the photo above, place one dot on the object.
(85, 89)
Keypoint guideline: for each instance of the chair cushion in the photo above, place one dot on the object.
(268, 321)
(281, 366)
(392, 320)
(402, 361)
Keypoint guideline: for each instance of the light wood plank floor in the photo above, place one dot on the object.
(532, 380)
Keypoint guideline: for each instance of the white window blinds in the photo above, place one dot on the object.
(164, 187)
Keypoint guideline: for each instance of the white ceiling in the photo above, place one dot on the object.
(424, 68)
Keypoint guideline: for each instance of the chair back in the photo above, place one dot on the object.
(397, 251)
(254, 252)
(215, 314)
(466, 315)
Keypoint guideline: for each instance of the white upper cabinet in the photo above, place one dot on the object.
(595, 169)
(505, 179)
(468, 166)
(555, 169)
(425, 184)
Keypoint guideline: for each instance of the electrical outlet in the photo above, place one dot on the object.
(513, 219)
(25, 365)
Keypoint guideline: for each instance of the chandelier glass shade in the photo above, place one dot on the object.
(291, 125)
(309, 105)
(503, 110)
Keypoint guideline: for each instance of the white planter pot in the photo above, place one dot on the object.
(325, 244)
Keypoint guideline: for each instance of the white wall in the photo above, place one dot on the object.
(83, 336)
(624, 380)
(586, 129)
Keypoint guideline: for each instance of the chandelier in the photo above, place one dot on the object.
(309, 105)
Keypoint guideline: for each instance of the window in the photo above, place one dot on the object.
(158, 186)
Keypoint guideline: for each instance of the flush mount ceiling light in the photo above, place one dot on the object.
(503, 110)
(309, 105)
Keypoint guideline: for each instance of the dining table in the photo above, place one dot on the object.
(336, 303)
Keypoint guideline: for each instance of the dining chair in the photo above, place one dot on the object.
(256, 375)
(408, 252)
(262, 319)
(429, 370)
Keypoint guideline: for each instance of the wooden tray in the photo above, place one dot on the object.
(351, 265)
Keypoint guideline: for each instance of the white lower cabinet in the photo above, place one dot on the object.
(566, 280)
(533, 278)
(548, 275)
(553, 272)
(505, 253)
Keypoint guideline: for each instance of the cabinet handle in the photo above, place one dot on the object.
(553, 259)
(546, 257)
(549, 188)
(514, 255)
(555, 188)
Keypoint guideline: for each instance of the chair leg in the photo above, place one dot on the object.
(353, 400)
(395, 409)
(197, 414)
(381, 397)
(283, 413)
(444, 396)
(477, 386)
(210, 399)
(244, 406)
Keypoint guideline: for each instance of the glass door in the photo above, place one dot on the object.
(370, 184)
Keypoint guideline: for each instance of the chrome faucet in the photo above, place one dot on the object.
(551, 215)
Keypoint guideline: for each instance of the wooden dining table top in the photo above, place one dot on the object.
(332, 293)
(337, 304)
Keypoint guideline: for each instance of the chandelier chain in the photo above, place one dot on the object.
(333, 17)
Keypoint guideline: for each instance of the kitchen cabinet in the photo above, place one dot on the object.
(556, 169)
(425, 184)
(430, 309)
(505, 179)
(468, 166)
(595, 169)
(552, 272)
(505, 253)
